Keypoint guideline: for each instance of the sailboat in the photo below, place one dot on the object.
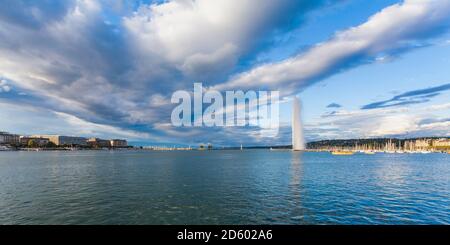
(342, 153)
(298, 143)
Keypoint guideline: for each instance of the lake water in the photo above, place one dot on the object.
(223, 187)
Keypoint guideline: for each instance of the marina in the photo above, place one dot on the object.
(223, 187)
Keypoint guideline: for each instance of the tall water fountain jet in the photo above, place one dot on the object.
(298, 142)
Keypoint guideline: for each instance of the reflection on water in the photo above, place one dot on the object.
(296, 173)
(223, 187)
(296, 169)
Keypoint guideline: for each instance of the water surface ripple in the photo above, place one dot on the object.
(223, 187)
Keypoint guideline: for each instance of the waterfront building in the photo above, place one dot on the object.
(118, 143)
(61, 140)
(98, 143)
(9, 139)
(36, 141)
(441, 143)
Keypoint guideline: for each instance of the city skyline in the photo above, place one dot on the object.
(361, 69)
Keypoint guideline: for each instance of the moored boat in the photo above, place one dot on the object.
(369, 152)
(4, 148)
(342, 152)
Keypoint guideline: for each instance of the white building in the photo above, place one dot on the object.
(61, 140)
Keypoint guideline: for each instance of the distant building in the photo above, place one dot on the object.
(38, 141)
(60, 140)
(118, 143)
(10, 139)
(441, 143)
(98, 143)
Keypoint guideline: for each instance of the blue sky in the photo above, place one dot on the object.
(108, 68)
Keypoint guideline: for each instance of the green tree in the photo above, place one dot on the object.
(50, 145)
(32, 144)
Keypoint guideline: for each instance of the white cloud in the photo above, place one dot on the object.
(393, 125)
(207, 36)
(4, 87)
(441, 128)
(402, 121)
(440, 107)
(29, 119)
(397, 27)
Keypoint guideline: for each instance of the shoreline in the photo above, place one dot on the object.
(356, 152)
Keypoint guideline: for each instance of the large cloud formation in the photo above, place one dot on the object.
(393, 30)
(118, 67)
(383, 122)
(410, 97)
(109, 71)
